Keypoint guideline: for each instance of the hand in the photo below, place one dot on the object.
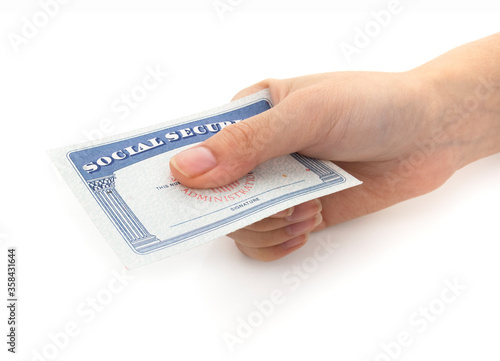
(390, 130)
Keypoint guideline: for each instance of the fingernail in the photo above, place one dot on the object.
(304, 226)
(283, 214)
(194, 161)
(303, 211)
(295, 241)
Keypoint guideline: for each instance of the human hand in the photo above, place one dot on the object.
(386, 129)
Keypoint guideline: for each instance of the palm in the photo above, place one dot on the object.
(384, 183)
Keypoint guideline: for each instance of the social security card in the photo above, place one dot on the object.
(125, 185)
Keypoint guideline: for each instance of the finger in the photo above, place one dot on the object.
(251, 90)
(277, 88)
(266, 239)
(238, 148)
(283, 214)
(273, 253)
(301, 212)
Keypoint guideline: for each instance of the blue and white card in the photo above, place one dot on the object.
(125, 185)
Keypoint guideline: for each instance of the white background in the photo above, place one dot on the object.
(62, 83)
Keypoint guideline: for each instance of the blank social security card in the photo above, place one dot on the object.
(125, 185)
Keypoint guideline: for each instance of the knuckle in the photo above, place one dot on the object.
(278, 88)
(268, 82)
(239, 137)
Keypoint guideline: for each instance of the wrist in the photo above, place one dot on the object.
(465, 86)
(464, 115)
(470, 116)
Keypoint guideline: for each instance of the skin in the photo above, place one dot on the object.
(402, 134)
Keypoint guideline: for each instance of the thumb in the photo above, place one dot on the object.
(239, 148)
